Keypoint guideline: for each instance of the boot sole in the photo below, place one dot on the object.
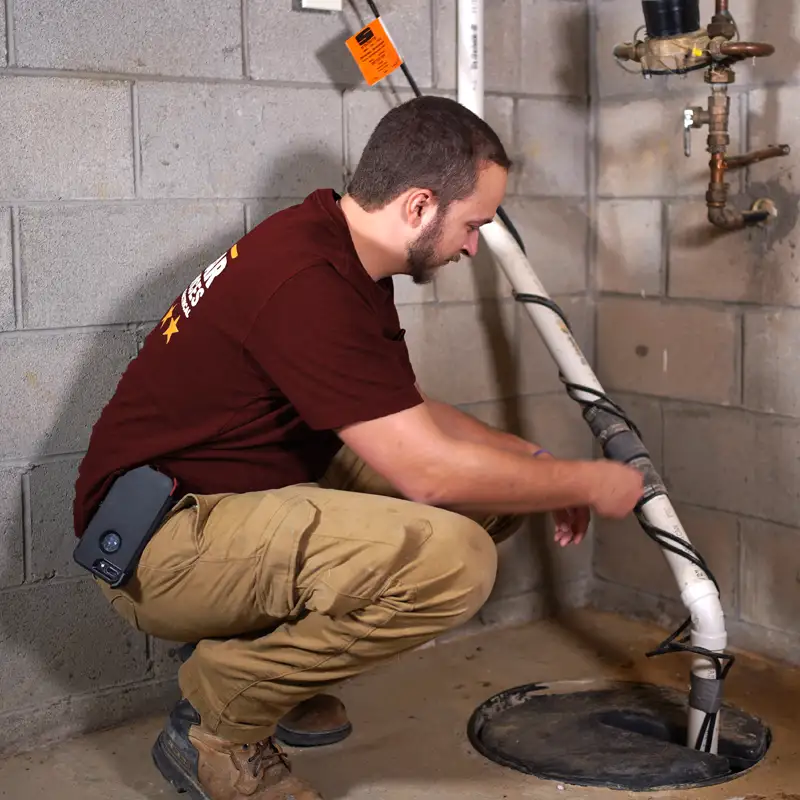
(170, 768)
(298, 739)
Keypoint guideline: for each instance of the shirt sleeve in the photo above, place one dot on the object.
(327, 351)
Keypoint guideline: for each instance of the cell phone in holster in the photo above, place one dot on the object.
(124, 523)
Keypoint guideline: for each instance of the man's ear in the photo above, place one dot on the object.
(419, 207)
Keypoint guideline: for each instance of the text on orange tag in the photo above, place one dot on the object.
(374, 52)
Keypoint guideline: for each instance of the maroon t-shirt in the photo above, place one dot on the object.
(269, 350)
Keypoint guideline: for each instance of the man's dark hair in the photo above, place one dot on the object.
(427, 143)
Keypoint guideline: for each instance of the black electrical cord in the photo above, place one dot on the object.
(666, 540)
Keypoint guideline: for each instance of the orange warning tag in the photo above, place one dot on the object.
(374, 52)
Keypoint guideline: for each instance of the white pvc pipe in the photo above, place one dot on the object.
(697, 591)
(470, 55)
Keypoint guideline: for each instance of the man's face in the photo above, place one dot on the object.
(453, 232)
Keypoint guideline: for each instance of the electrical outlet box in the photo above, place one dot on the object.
(322, 5)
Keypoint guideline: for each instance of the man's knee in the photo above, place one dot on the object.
(458, 567)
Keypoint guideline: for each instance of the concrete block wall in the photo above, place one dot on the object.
(698, 330)
(139, 145)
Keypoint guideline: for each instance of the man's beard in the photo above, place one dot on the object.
(421, 256)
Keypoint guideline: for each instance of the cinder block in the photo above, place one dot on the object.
(6, 272)
(77, 715)
(145, 253)
(771, 345)
(538, 372)
(161, 36)
(499, 113)
(555, 422)
(629, 246)
(11, 544)
(143, 330)
(471, 279)
(677, 351)
(275, 29)
(774, 118)
(555, 45)
(641, 147)
(473, 358)
(645, 413)
(510, 612)
(767, 642)
(522, 560)
(73, 136)
(406, 292)
(259, 210)
(238, 141)
(52, 534)
(365, 109)
(55, 653)
(54, 386)
(166, 661)
(502, 414)
(556, 234)
(770, 568)
(532, 560)
(750, 266)
(502, 43)
(625, 555)
(553, 147)
(734, 460)
(710, 457)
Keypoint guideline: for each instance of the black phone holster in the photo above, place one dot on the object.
(129, 515)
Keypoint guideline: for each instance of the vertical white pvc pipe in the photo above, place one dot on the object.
(470, 55)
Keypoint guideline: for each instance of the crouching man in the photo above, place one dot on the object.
(328, 514)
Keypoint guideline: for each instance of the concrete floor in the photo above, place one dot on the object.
(409, 740)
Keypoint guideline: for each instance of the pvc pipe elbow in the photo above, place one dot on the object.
(708, 619)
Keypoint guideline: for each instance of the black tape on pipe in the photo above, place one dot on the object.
(706, 694)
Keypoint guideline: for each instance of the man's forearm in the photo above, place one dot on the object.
(460, 425)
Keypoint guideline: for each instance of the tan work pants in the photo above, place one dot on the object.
(288, 592)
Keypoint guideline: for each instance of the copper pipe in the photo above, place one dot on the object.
(717, 169)
(746, 49)
(719, 213)
(722, 7)
(744, 160)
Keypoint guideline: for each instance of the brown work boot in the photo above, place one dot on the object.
(315, 722)
(209, 768)
(320, 720)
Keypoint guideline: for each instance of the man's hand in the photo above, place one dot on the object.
(618, 488)
(571, 525)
